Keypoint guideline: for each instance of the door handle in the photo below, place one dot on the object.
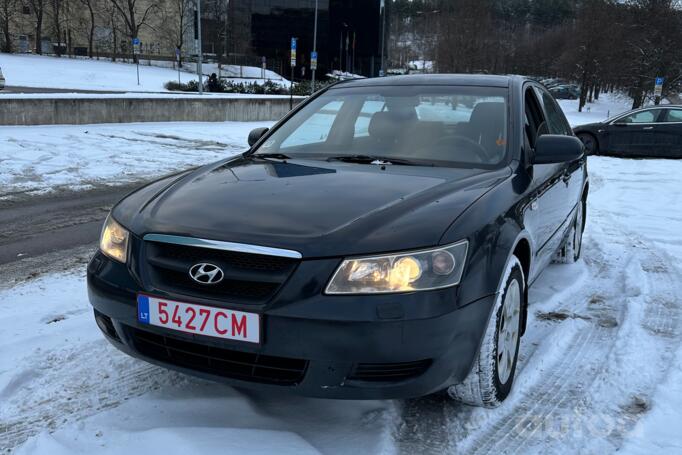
(566, 177)
(648, 127)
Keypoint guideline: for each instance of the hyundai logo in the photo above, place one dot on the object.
(205, 273)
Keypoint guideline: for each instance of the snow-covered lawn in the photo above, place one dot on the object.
(103, 75)
(52, 72)
(608, 105)
(45, 158)
(601, 363)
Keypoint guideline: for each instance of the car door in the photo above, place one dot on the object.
(634, 134)
(572, 176)
(545, 211)
(669, 133)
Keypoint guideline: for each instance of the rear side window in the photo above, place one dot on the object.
(648, 116)
(556, 122)
(673, 116)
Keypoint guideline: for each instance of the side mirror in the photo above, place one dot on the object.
(555, 148)
(256, 134)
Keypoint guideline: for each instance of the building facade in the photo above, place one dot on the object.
(242, 32)
(348, 34)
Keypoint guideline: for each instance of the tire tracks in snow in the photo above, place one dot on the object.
(564, 404)
(58, 387)
(575, 402)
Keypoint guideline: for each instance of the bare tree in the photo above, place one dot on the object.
(57, 12)
(89, 4)
(177, 22)
(134, 16)
(8, 9)
(38, 8)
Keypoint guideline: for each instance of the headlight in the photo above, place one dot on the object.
(114, 240)
(403, 272)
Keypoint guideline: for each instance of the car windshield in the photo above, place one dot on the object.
(422, 125)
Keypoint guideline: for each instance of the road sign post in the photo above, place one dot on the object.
(658, 90)
(136, 53)
(293, 65)
(177, 59)
(199, 46)
(313, 54)
(264, 64)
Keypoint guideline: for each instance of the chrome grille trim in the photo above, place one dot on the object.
(224, 246)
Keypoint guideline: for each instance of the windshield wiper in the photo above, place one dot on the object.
(277, 156)
(373, 159)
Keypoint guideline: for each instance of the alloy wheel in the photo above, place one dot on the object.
(508, 332)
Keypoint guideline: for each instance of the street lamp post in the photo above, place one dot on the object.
(314, 67)
(197, 40)
(383, 35)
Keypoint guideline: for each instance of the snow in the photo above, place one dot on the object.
(64, 73)
(24, 70)
(608, 105)
(599, 369)
(37, 159)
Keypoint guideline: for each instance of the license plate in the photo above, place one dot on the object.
(199, 319)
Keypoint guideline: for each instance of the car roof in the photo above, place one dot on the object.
(485, 80)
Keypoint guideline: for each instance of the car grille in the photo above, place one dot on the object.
(249, 278)
(245, 366)
(388, 372)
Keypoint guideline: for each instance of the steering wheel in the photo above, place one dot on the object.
(446, 144)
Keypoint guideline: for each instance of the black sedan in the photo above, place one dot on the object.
(377, 242)
(649, 132)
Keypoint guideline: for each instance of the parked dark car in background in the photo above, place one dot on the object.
(650, 132)
(378, 242)
(565, 92)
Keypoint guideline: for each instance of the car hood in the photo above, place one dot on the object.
(318, 208)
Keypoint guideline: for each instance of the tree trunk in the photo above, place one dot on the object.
(39, 33)
(597, 89)
(638, 95)
(113, 50)
(583, 92)
(7, 45)
(91, 36)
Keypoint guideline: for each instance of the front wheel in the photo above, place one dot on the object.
(492, 375)
(590, 142)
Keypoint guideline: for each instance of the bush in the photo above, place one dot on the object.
(191, 86)
(304, 88)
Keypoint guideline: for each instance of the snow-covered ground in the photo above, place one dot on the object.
(37, 159)
(600, 363)
(608, 105)
(24, 70)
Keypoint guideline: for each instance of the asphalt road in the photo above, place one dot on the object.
(38, 225)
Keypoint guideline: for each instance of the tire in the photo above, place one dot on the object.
(591, 143)
(573, 246)
(492, 375)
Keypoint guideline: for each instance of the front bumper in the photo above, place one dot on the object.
(390, 352)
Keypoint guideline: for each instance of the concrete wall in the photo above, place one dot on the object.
(51, 111)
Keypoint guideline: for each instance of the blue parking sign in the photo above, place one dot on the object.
(660, 80)
(136, 41)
